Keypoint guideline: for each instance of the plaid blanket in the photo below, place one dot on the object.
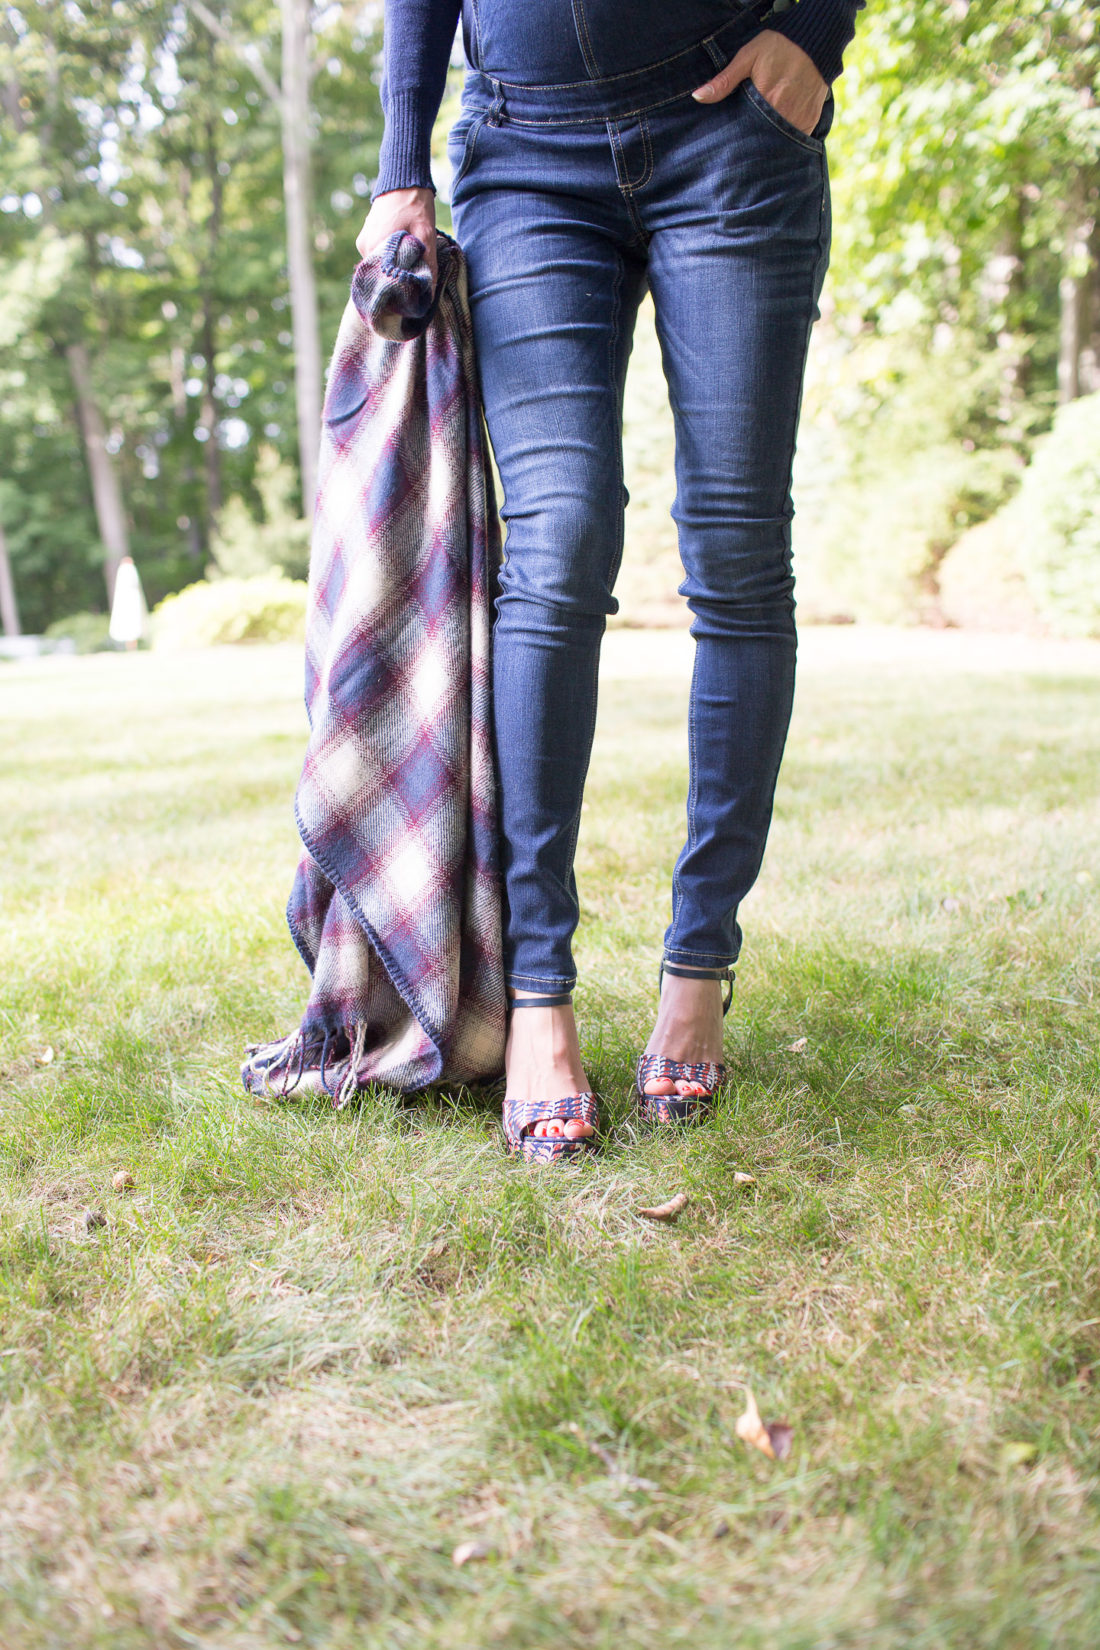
(395, 907)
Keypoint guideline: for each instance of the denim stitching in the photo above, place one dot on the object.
(616, 311)
(468, 148)
(715, 53)
(704, 959)
(625, 184)
(625, 189)
(598, 119)
(609, 79)
(647, 151)
(816, 146)
(477, 34)
(620, 471)
(580, 23)
(528, 982)
(693, 782)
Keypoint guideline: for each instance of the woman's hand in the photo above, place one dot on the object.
(782, 73)
(412, 210)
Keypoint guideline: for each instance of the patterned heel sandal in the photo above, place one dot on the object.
(709, 1074)
(521, 1115)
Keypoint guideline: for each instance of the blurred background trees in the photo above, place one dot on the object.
(146, 338)
(166, 169)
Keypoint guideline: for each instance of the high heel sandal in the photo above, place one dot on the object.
(521, 1115)
(709, 1074)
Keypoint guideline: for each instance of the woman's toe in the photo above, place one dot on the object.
(577, 1129)
(660, 1085)
(687, 1088)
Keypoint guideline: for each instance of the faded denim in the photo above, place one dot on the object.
(568, 201)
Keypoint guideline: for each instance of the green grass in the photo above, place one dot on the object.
(309, 1353)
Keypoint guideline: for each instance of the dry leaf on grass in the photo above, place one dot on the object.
(740, 1178)
(45, 1058)
(467, 1552)
(772, 1438)
(799, 1046)
(667, 1211)
(123, 1181)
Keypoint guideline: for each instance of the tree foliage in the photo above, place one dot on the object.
(141, 214)
(142, 234)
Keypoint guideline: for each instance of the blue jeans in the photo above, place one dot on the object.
(568, 201)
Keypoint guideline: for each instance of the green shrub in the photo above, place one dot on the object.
(1059, 512)
(89, 632)
(903, 449)
(244, 548)
(266, 609)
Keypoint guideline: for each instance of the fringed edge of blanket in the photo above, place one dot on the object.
(311, 1059)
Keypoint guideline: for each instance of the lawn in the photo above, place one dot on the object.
(308, 1354)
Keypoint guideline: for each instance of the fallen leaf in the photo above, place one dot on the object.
(123, 1181)
(782, 1437)
(667, 1211)
(46, 1057)
(467, 1552)
(740, 1178)
(92, 1218)
(1017, 1454)
(773, 1439)
(799, 1046)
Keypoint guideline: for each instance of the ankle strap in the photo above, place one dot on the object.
(550, 1000)
(681, 973)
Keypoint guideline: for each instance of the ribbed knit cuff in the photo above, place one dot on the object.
(405, 158)
(821, 27)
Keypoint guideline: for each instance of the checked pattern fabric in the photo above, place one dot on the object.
(395, 906)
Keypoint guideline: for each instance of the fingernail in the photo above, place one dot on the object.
(702, 94)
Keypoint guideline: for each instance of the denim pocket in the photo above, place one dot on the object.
(461, 143)
(808, 140)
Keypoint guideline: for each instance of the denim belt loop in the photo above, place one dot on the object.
(497, 111)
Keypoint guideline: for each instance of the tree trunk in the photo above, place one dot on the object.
(9, 612)
(106, 493)
(1013, 341)
(1073, 294)
(298, 198)
(212, 455)
(292, 101)
(1089, 359)
(211, 452)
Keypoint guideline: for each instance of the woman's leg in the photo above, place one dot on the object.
(737, 258)
(554, 290)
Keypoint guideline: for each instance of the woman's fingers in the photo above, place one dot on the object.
(729, 78)
(411, 211)
(783, 74)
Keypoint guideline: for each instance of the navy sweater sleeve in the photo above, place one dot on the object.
(417, 49)
(821, 27)
(416, 52)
